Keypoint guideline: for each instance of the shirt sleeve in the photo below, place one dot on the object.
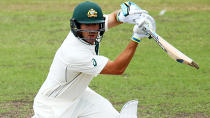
(106, 22)
(92, 66)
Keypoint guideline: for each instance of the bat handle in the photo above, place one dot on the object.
(147, 31)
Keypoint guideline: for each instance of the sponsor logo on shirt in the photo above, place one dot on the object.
(94, 62)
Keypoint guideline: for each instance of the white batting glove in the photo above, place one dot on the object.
(138, 32)
(129, 12)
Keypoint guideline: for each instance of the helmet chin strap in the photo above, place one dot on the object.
(97, 47)
(96, 43)
(97, 40)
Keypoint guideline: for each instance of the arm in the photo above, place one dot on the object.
(112, 19)
(119, 65)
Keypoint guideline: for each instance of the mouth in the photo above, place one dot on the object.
(92, 36)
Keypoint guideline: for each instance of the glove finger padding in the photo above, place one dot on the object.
(129, 12)
(138, 12)
(128, 6)
(147, 20)
(144, 20)
(151, 22)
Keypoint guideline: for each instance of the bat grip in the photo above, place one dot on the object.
(145, 28)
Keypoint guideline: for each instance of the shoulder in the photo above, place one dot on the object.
(74, 51)
(75, 54)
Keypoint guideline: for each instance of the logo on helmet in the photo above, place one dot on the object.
(92, 13)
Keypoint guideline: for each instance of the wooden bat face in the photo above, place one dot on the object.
(171, 50)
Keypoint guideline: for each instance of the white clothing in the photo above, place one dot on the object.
(73, 67)
(88, 105)
(65, 92)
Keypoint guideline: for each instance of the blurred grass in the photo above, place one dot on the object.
(32, 31)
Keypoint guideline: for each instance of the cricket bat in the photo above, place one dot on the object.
(171, 50)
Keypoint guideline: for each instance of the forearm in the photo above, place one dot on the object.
(125, 57)
(112, 19)
(119, 65)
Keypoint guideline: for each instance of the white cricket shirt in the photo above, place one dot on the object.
(73, 67)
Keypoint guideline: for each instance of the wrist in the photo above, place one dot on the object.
(136, 38)
(118, 17)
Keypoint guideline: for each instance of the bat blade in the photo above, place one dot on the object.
(171, 50)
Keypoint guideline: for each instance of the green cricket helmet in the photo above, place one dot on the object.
(87, 13)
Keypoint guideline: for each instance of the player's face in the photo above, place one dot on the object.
(90, 36)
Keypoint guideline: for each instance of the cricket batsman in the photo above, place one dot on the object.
(65, 92)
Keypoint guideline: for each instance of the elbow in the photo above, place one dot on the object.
(120, 72)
